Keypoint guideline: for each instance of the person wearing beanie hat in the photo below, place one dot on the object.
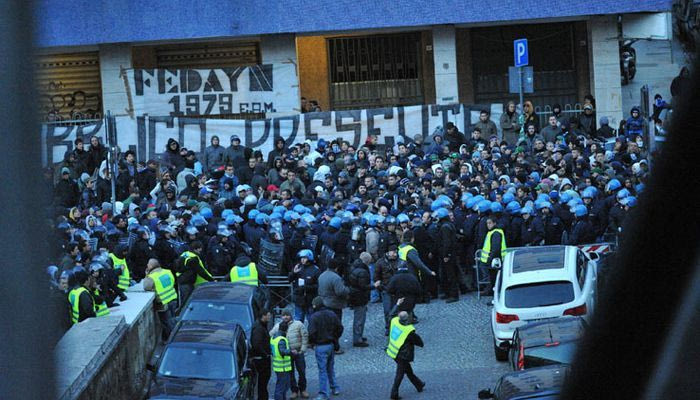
(325, 330)
(360, 287)
(260, 350)
(605, 131)
(297, 341)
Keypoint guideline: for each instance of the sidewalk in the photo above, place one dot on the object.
(658, 62)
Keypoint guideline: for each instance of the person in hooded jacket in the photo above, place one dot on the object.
(635, 124)
(278, 151)
(509, 123)
(214, 155)
(96, 154)
(139, 254)
(237, 154)
(171, 158)
(360, 286)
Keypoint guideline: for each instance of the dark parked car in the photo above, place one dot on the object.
(535, 383)
(224, 302)
(203, 360)
(544, 343)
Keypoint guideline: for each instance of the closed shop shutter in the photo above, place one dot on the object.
(551, 51)
(209, 55)
(69, 86)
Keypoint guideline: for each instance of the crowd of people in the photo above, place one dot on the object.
(358, 225)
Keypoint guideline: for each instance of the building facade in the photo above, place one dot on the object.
(347, 54)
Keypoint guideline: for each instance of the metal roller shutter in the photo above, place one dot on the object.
(69, 86)
(207, 55)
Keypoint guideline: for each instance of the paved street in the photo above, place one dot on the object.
(456, 362)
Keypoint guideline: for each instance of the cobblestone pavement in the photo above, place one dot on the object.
(456, 362)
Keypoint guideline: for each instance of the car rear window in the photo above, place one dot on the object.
(539, 294)
(198, 363)
(554, 353)
(218, 312)
(535, 259)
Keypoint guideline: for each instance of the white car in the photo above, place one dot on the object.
(540, 283)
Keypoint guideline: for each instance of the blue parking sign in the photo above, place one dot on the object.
(520, 53)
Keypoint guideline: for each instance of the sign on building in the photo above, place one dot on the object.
(266, 88)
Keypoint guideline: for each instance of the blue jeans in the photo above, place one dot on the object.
(325, 358)
(298, 365)
(387, 305)
(374, 294)
(301, 312)
(282, 385)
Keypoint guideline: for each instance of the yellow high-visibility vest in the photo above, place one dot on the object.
(486, 250)
(397, 336)
(247, 275)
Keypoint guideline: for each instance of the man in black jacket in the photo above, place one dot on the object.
(260, 352)
(447, 243)
(304, 279)
(325, 330)
(66, 192)
(360, 287)
(404, 284)
(401, 348)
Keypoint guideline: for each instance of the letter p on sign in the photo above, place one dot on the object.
(520, 52)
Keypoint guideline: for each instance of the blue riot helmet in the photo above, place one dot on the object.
(527, 210)
(436, 204)
(441, 213)
(629, 201)
(588, 193)
(252, 214)
(513, 207)
(613, 185)
(306, 253)
(347, 214)
(198, 221)
(390, 220)
(372, 221)
(508, 197)
(299, 208)
(639, 188)
(380, 219)
(446, 201)
(335, 222)
(223, 231)
(260, 219)
(553, 195)
(191, 230)
(206, 212)
(496, 207)
(346, 223)
(309, 218)
(564, 198)
(402, 218)
(471, 202)
(484, 206)
(465, 196)
(580, 210)
(622, 194)
(542, 197)
(544, 204)
(276, 216)
(279, 209)
(225, 213)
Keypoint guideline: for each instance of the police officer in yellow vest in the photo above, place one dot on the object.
(402, 339)
(118, 260)
(494, 249)
(162, 281)
(246, 272)
(194, 273)
(81, 301)
(281, 361)
(409, 255)
(98, 297)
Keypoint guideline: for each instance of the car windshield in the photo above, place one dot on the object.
(539, 294)
(562, 353)
(535, 259)
(219, 312)
(199, 363)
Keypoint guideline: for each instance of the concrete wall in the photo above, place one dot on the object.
(312, 56)
(605, 68)
(465, 72)
(105, 358)
(445, 60)
(113, 59)
(281, 49)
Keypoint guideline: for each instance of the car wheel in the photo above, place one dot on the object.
(501, 354)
